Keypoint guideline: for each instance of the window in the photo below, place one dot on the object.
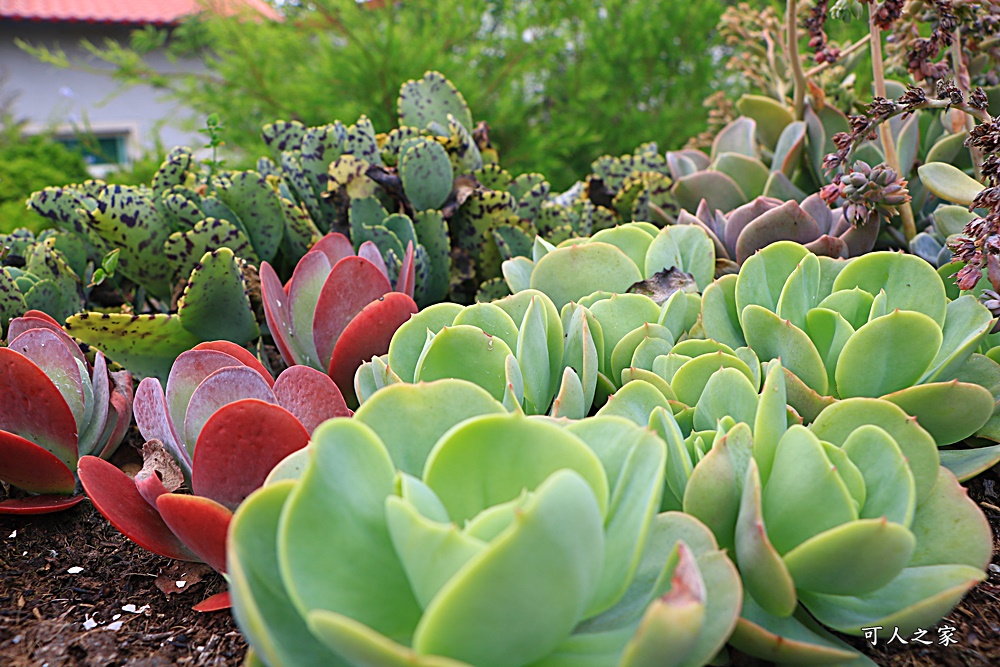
(99, 150)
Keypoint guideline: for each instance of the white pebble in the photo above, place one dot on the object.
(76, 569)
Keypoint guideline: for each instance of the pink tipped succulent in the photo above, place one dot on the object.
(56, 407)
(339, 309)
(221, 426)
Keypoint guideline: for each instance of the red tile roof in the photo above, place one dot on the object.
(158, 12)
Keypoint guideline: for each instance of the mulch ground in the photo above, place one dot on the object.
(129, 608)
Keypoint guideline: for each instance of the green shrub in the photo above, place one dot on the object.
(28, 164)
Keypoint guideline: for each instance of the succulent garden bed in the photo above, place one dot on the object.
(716, 407)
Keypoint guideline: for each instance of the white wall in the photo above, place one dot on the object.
(58, 99)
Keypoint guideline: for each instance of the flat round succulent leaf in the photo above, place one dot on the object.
(836, 423)
(343, 491)
(786, 639)
(950, 527)
(770, 337)
(853, 558)
(409, 339)
(492, 459)
(273, 625)
(739, 136)
(568, 274)
(762, 276)
(854, 305)
(190, 369)
(352, 285)
(224, 386)
(45, 504)
(34, 409)
(890, 490)
(764, 574)
(685, 247)
(917, 598)
(554, 549)
(242, 355)
(239, 445)
(278, 315)
(310, 395)
(363, 646)
(909, 282)
(719, 190)
(967, 463)
(492, 319)
(467, 353)
(30, 467)
(410, 419)
(115, 495)
(967, 323)
(749, 173)
(949, 183)
(804, 495)
(949, 411)
(48, 351)
(631, 240)
(367, 335)
(635, 401)
(727, 392)
(304, 289)
(887, 354)
(719, 312)
(200, 523)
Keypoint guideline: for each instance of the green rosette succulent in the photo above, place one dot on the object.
(851, 519)
(476, 538)
(877, 326)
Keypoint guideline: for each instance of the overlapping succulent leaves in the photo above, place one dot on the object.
(852, 519)
(57, 407)
(338, 309)
(41, 274)
(219, 428)
(489, 539)
(878, 326)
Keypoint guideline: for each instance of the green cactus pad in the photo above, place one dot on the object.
(215, 305)
(11, 300)
(185, 249)
(258, 208)
(426, 174)
(146, 344)
(283, 135)
(432, 234)
(173, 171)
(430, 100)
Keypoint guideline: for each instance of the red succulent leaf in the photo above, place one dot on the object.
(121, 403)
(216, 602)
(352, 284)
(224, 386)
(407, 280)
(370, 251)
(39, 504)
(33, 468)
(190, 369)
(200, 523)
(310, 395)
(335, 246)
(47, 352)
(150, 407)
(115, 496)
(239, 446)
(278, 314)
(33, 408)
(42, 316)
(242, 355)
(19, 325)
(367, 336)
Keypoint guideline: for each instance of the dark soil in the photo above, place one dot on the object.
(44, 608)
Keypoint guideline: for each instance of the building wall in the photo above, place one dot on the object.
(60, 100)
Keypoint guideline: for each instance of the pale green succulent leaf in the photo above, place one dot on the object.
(261, 604)
(570, 401)
(763, 275)
(728, 392)
(950, 528)
(719, 315)
(917, 598)
(890, 492)
(492, 459)
(517, 272)
(693, 376)
(344, 490)
(949, 183)
(646, 351)
(631, 240)
(619, 315)
(492, 319)
(488, 614)
(765, 576)
(635, 401)
(804, 495)
(966, 325)
(567, 274)
(887, 354)
(467, 353)
(774, 338)
(581, 352)
(855, 305)
(769, 423)
(829, 332)
(714, 490)
(685, 247)
(909, 282)
(533, 356)
(623, 354)
(430, 552)
(801, 292)
(361, 646)
(949, 411)
(967, 463)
